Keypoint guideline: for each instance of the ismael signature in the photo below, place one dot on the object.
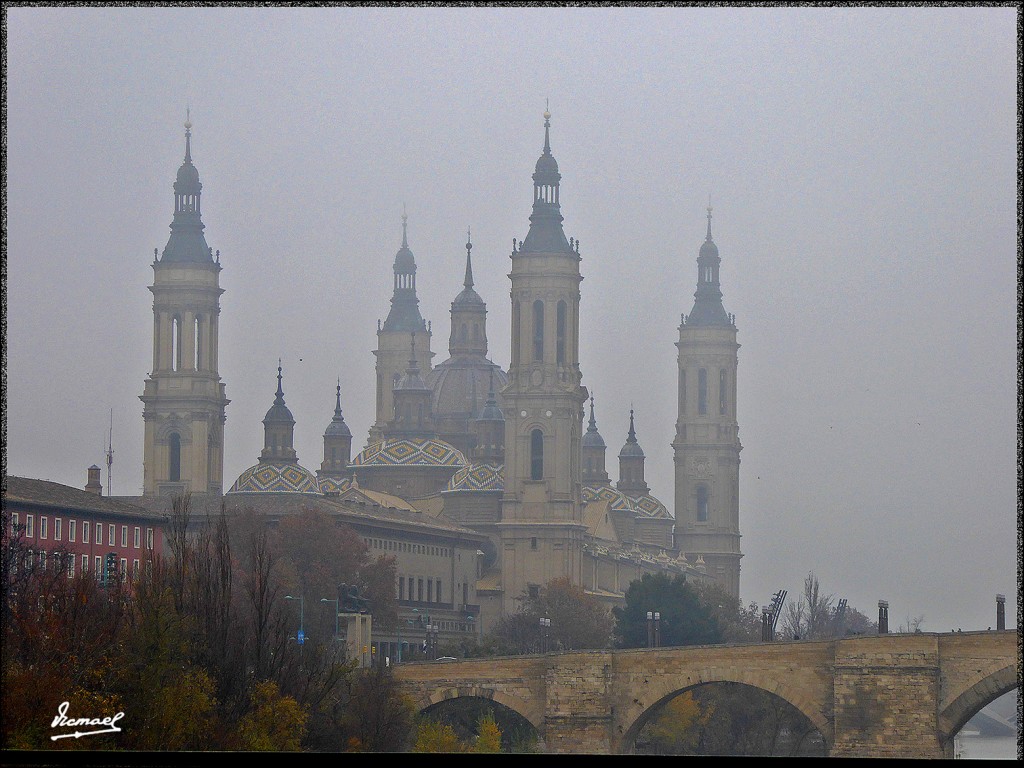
(63, 721)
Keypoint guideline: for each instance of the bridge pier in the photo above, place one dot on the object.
(886, 696)
(578, 714)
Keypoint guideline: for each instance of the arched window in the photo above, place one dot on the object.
(515, 333)
(462, 332)
(476, 331)
(682, 391)
(174, 457)
(176, 343)
(536, 455)
(538, 330)
(198, 344)
(702, 391)
(721, 391)
(560, 334)
(702, 503)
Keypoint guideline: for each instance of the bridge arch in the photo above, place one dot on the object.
(512, 702)
(977, 693)
(668, 687)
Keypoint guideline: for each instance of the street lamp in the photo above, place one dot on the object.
(545, 630)
(328, 600)
(650, 629)
(657, 629)
(301, 637)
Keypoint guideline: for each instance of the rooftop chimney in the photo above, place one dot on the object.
(93, 486)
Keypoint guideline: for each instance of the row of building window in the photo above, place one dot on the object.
(72, 531)
(61, 560)
(431, 594)
(404, 546)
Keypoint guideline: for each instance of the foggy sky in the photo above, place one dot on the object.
(861, 165)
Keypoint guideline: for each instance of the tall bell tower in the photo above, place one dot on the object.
(541, 523)
(183, 397)
(392, 351)
(707, 444)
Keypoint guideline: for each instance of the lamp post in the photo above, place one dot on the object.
(545, 630)
(657, 629)
(650, 629)
(301, 637)
(328, 600)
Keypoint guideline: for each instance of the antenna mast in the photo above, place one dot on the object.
(110, 454)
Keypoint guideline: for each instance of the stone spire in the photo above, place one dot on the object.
(412, 400)
(707, 306)
(278, 429)
(631, 465)
(594, 448)
(405, 313)
(337, 443)
(187, 242)
(546, 233)
(469, 315)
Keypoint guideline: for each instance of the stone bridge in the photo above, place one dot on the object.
(894, 695)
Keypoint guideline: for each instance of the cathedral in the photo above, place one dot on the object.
(483, 483)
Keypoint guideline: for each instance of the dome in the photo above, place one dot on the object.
(708, 249)
(593, 440)
(478, 477)
(334, 485)
(276, 478)
(188, 177)
(467, 298)
(461, 384)
(410, 451)
(404, 261)
(616, 499)
(546, 164)
(631, 449)
(337, 429)
(279, 412)
(651, 507)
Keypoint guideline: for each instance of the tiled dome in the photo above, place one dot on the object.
(651, 507)
(276, 478)
(334, 485)
(616, 499)
(405, 451)
(478, 477)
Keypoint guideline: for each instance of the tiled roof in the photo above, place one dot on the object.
(45, 493)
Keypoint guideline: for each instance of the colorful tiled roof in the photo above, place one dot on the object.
(616, 499)
(478, 477)
(406, 451)
(651, 507)
(334, 485)
(276, 478)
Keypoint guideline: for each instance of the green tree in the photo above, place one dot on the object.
(437, 737)
(275, 723)
(578, 621)
(685, 620)
(488, 739)
(676, 728)
(376, 716)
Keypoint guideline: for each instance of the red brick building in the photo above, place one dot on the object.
(52, 518)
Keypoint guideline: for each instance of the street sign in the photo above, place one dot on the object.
(301, 637)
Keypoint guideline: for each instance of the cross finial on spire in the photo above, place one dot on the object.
(280, 392)
(632, 433)
(468, 280)
(188, 135)
(547, 128)
(709, 218)
(337, 403)
(405, 219)
(592, 426)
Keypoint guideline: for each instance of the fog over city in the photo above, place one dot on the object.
(861, 166)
